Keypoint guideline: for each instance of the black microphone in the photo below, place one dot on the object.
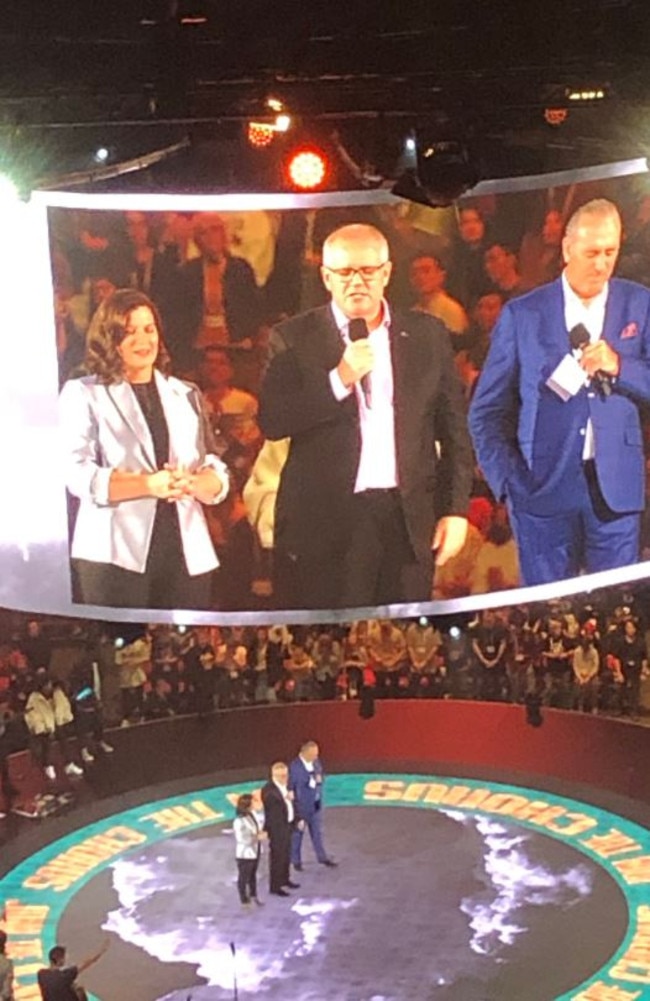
(358, 331)
(579, 338)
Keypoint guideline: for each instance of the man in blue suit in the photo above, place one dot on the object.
(306, 783)
(555, 426)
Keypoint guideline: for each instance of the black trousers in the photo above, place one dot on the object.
(247, 878)
(279, 857)
(374, 565)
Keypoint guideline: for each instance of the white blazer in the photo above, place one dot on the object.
(246, 831)
(102, 428)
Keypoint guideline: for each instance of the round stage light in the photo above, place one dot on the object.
(307, 169)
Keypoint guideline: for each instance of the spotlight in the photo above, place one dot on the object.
(444, 171)
(454, 633)
(101, 155)
(8, 190)
(307, 169)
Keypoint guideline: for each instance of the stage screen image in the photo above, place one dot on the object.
(184, 379)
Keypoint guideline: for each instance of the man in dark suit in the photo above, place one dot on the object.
(557, 431)
(217, 301)
(306, 783)
(279, 820)
(380, 463)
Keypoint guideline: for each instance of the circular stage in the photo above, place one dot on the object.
(447, 888)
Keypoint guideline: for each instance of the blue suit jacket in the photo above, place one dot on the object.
(307, 798)
(530, 457)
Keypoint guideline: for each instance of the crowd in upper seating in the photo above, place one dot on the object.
(221, 281)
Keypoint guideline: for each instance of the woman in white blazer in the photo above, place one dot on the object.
(248, 835)
(137, 456)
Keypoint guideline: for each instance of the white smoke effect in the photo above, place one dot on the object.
(196, 932)
(513, 882)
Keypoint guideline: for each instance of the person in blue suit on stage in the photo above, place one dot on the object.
(306, 782)
(555, 416)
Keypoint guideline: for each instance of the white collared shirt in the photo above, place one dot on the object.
(287, 800)
(378, 462)
(592, 316)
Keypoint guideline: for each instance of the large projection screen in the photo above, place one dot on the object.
(62, 254)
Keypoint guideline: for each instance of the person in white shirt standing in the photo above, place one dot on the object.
(248, 835)
(555, 414)
(380, 464)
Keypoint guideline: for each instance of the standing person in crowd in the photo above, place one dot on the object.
(586, 665)
(306, 782)
(631, 651)
(380, 465)
(138, 458)
(57, 981)
(48, 716)
(489, 646)
(279, 819)
(6, 971)
(559, 437)
(248, 836)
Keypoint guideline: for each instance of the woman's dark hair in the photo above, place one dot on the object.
(108, 329)
(244, 804)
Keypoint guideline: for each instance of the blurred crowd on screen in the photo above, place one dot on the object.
(220, 282)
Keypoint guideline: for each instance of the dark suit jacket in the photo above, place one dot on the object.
(313, 509)
(308, 799)
(242, 305)
(276, 819)
(530, 459)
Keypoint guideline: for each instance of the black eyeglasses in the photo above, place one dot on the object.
(367, 273)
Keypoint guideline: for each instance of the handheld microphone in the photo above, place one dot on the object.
(579, 338)
(358, 331)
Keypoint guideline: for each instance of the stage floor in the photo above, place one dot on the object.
(445, 889)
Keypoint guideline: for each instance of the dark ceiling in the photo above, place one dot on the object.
(138, 75)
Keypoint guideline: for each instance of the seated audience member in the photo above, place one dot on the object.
(540, 254)
(232, 411)
(298, 683)
(501, 268)
(427, 277)
(48, 716)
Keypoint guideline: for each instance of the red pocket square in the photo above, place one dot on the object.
(631, 330)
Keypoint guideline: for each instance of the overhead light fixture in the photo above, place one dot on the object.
(101, 155)
(556, 116)
(307, 168)
(262, 131)
(585, 95)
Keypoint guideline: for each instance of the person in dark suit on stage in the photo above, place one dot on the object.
(380, 462)
(306, 783)
(279, 820)
(555, 415)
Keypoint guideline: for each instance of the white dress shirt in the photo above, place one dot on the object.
(378, 462)
(592, 316)
(287, 799)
